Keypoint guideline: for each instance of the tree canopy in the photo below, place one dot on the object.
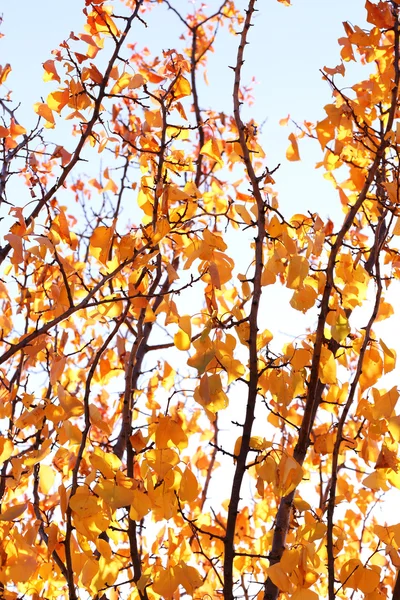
(157, 438)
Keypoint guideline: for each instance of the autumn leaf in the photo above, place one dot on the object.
(292, 153)
(13, 512)
(188, 489)
(4, 72)
(279, 578)
(212, 150)
(50, 72)
(44, 111)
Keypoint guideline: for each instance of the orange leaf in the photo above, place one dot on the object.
(4, 72)
(292, 153)
(44, 111)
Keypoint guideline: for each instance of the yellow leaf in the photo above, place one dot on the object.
(372, 368)
(268, 470)
(297, 272)
(162, 460)
(341, 329)
(301, 505)
(138, 441)
(169, 431)
(396, 229)
(384, 403)
(292, 153)
(389, 357)
(350, 573)
(385, 311)
(324, 443)
(376, 481)
(189, 488)
(6, 449)
(279, 578)
(205, 352)
(327, 367)
(13, 512)
(47, 477)
(211, 149)
(210, 393)
(140, 505)
(290, 474)
(165, 583)
(304, 594)
(394, 428)
(58, 99)
(121, 84)
(116, 496)
(303, 299)
(182, 340)
(100, 242)
(290, 559)
(243, 213)
(84, 504)
(57, 368)
(188, 577)
(181, 88)
(368, 581)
